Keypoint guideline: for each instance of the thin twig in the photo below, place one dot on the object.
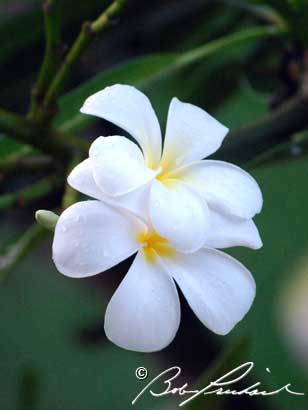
(14, 253)
(70, 195)
(22, 160)
(294, 149)
(52, 56)
(262, 11)
(87, 34)
(275, 128)
(31, 193)
(50, 141)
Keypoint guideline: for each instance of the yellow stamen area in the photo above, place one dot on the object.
(153, 245)
(166, 175)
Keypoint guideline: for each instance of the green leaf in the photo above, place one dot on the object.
(23, 28)
(20, 30)
(146, 71)
(137, 72)
(283, 227)
(16, 251)
(232, 357)
(9, 146)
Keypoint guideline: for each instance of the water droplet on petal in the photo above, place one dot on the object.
(77, 218)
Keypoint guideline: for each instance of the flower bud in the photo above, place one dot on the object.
(47, 219)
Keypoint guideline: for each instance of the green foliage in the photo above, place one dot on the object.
(146, 72)
(8, 146)
(285, 242)
(215, 55)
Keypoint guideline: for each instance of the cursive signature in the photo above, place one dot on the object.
(224, 385)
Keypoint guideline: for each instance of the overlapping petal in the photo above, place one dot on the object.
(227, 231)
(179, 215)
(131, 110)
(91, 237)
(226, 187)
(118, 165)
(192, 134)
(219, 289)
(144, 313)
(81, 178)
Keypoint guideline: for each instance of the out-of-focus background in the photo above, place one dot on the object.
(53, 352)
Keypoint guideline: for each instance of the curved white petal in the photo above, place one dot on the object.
(226, 187)
(227, 231)
(219, 289)
(91, 237)
(130, 109)
(144, 313)
(118, 165)
(179, 215)
(192, 134)
(81, 178)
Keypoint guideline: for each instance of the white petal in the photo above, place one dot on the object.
(131, 110)
(118, 165)
(81, 178)
(179, 215)
(91, 237)
(219, 289)
(144, 313)
(227, 231)
(192, 134)
(226, 187)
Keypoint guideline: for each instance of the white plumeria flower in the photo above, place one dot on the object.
(190, 202)
(144, 313)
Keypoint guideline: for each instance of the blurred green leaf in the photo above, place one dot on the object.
(19, 29)
(21, 25)
(143, 72)
(16, 251)
(9, 146)
(295, 13)
(232, 357)
(43, 316)
(137, 72)
(283, 228)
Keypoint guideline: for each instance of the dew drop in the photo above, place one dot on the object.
(77, 218)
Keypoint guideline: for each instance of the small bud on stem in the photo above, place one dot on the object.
(46, 219)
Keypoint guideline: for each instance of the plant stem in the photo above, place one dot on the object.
(87, 34)
(52, 56)
(296, 148)
(23, 161)
(70, 195)
(60, 145)
(220, 44)
(30, 193)
(14, 253)
(275, 128)
(263, 12)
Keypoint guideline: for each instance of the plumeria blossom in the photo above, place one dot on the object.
(169, 207)
(190, 201)
(144, 313)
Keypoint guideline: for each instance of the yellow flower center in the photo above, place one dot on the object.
(167, 175)
(153, 245)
